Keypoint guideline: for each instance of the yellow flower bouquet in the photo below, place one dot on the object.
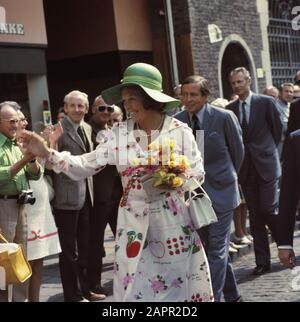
(168, 169)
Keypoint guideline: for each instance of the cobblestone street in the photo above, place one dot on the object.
(276, 286)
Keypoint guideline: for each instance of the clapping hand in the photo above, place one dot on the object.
(52, 134)
(55, 134)
(33, 144)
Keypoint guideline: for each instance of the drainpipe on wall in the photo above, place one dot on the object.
(171, 43)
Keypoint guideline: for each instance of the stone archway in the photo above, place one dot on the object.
(234, 53)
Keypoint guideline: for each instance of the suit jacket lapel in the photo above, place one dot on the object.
(187, 119)
(207, 119)
(235, 109)
(88, 134)
(68, 127)
(253, 111)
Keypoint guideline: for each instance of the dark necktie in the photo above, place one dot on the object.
(81, 133)
(196, 125)
(244, 123)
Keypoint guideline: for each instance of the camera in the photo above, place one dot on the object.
(26, 196)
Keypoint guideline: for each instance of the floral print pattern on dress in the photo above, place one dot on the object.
(172, 205)
(138, 296)
(158, 284)
(129, 278)
(177, 282)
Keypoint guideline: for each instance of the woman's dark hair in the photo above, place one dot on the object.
(148, 102)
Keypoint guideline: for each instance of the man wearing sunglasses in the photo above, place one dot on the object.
(15, 170)
(107, 194)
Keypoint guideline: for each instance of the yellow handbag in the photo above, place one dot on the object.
(14, 262)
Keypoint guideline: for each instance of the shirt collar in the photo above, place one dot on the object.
(75, 125)
(283, 103)
(4, 139)
(247, 100)
(200, 113)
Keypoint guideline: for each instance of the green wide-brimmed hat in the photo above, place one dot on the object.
(146, 77)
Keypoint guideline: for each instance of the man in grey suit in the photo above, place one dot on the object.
(260, 172)
(72, 203)
(223, 156)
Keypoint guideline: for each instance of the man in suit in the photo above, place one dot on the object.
(293, 125)
(289, 196)
(73, 202)
(107, 194)
(223, 156)
(294, 118)
(286, 96)
(260, 172)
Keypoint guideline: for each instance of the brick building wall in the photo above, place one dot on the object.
(236, 17)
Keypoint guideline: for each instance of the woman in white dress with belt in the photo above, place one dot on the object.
(42, 236)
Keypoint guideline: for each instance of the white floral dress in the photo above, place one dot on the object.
(158, 256)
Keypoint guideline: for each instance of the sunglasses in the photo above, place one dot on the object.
(102, 108)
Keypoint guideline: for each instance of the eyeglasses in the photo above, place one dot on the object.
(23, 119)
(11, 122)
(102, 108)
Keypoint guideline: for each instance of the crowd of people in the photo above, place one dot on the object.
(85, 175)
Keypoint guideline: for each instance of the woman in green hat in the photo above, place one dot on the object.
(158, 254)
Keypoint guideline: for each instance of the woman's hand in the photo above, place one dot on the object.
(46, 133)
(33, 144)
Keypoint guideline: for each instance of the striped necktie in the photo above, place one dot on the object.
(82, 135)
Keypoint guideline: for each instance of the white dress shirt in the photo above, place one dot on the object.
(247, 108)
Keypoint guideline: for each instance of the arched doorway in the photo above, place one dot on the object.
(234, 56)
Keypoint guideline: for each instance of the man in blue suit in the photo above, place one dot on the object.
(294, 118)
(260, 172)
(223, 157)
(289, 196)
